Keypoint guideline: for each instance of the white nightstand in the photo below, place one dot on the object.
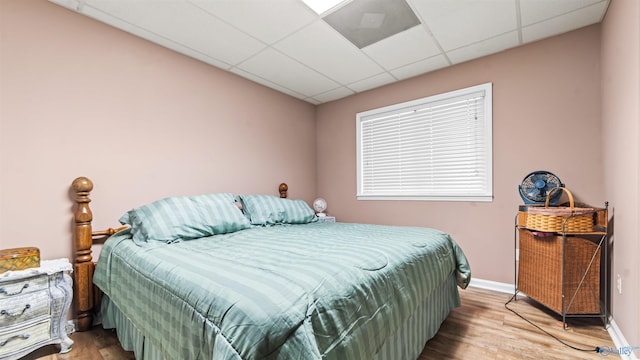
(33, 308)
(326, 218)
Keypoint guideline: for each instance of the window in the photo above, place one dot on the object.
(435, 148)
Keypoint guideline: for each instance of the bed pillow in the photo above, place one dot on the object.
(185, 217)
(270, 210)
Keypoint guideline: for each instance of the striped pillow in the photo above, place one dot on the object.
(270, 210)
(186, 217)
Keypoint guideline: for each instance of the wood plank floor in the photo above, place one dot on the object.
(480, 329)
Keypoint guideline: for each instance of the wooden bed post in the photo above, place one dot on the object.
(83, 264)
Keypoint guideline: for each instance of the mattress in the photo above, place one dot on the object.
(318, 290)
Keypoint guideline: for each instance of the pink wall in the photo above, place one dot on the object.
(621, 136)
(546, 115)
(79, 98)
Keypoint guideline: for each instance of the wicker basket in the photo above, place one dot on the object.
(19, 258)
(540, 272)
(560, 218)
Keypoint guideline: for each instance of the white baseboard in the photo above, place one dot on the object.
(493, 285)
(623, 348)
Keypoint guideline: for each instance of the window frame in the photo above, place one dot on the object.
(486, 152)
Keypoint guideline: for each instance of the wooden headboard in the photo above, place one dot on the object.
(86, 296)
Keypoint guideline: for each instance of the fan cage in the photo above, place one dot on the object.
(529, 183)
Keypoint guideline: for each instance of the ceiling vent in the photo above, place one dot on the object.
(364, 22)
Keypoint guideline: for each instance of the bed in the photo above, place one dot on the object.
(269, 281)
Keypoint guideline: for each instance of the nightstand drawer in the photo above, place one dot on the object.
(23, 286)
(22, 308)
(34, 304)
(21, 338)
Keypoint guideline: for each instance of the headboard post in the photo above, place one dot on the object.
(83, 264)
(283, 188)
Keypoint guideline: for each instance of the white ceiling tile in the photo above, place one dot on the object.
(313, 61)
(561, 24)
(533, 11)
(180, 22)
(403, 48)
(71, 4)
(322, 48)
(372, 82)
(153, 37)
(286, 72)
(334, 94)
(268, 21)
(313, 101)
(484, 48)
(420, 67)
(462, 22)
(267, 83)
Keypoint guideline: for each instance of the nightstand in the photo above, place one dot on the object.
(34, 304)
(326, 218)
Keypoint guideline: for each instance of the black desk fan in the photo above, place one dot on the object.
(536, 186)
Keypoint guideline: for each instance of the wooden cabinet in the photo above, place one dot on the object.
(34, 304)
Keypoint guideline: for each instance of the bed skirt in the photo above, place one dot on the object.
(407, 343)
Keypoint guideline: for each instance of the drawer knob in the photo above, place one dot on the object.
(4, 291)
(14, 337)
(7, 313)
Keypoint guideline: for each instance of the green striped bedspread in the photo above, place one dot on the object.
(319, 290)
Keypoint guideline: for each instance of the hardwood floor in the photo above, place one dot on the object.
(97, 344)
(482, 328)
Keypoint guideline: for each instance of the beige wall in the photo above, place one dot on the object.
(79, 98)
(546, 115)
(621, 136)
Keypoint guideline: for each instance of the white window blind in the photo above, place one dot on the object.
(435, 148)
